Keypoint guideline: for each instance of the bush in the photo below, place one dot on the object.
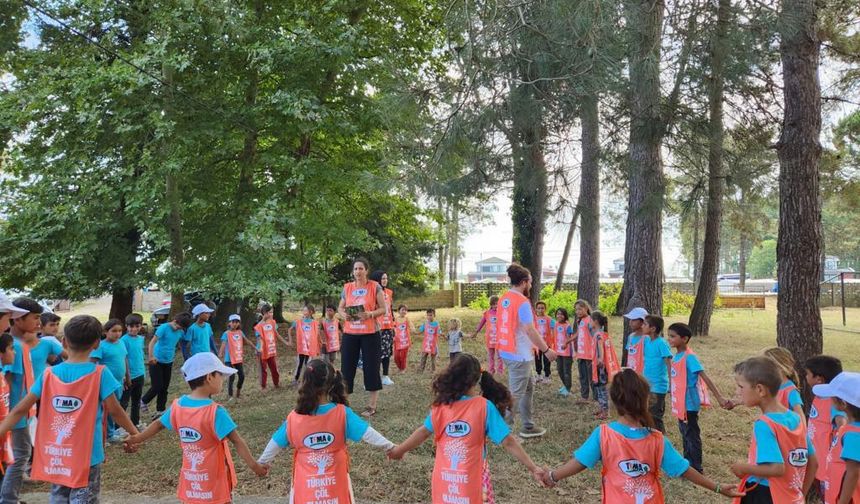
(556, 300)
(677, 303)
(481, 302)
(609, 294)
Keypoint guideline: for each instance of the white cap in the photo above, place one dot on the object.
(199, 309)
(636, 313)
(235, 317)
(202, 364)
(6, 306)
(845, 386)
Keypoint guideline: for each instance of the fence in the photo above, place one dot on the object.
(468, 292)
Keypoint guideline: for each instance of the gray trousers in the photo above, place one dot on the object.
(522, 385)
(86, 495)
(14, 478)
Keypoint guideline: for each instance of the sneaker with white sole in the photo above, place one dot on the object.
(387, 381)
(532, 432)
(120, 432)
(144, 408)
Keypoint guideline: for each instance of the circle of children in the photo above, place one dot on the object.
(788, 454)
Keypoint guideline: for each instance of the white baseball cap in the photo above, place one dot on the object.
(199, 309)
(636, 313)
(233, 317)
(202, 364)
(845, 386)
(6, 306)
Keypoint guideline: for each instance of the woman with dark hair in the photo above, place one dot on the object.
(386, 325)
(361, 302)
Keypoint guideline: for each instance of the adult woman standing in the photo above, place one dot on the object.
(386, 325)
(361, 302)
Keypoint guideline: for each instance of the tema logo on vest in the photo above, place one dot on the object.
(359, 292)
(318, 440)
(457, 429)
(306, 327)
(798, 457)
(189, 435)
(813, 412)
(506, 303)
(66, 404)
(634, 468)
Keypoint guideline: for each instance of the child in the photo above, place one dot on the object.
(781, 464)
(50, 323)
(604, 364)
(267, 349)
(544, 326)
(584, 349)
(430, 346)
(331, 333)
(307, 337)
(686, 401)
(112, 354)
(133, 342)
(562, 346)
(8, 311)
(632, 451)
(402, 338)
(454, 339)
(654, 352)
(788, 394)
(7, 358)
(466, 411)
(232, 351)
(633, 341)
(489, 320)
(843, 461)
(318, 430)
(200, 337)
(69, 448)
(204, 426)
(162, 351)
(824, 418)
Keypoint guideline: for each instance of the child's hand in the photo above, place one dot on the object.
(260, 469)
(395, 453)
(727, 404)
(739, 469)
(546, 480)
(129, 448)
(731, 491)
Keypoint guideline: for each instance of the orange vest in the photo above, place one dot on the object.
(821, 429)
(584, 340)
(836, 469)
(363, 296)
(307, 338)
(636, 356)
(402, 340)
(235, 346)
(386, 320)
(788, 488)
(67, 424)
(6, 439)
(460, 433)
(268, 331)
(543, 326)
(431, 336)
(560, 338)
(610, 358)
(207, 474)
(782, 395)
(491, 331)
(509, 320)
(678, 387)
(631, 467)
(28, 375)
(320, 458)
(332, 335)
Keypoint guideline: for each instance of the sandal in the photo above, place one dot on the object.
(368, 412)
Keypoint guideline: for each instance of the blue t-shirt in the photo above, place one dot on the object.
(134, 349)
(694, 367)
(165, 345)
(113, 356)
(355, 426)
(794, 398)
(495, 427)
(767, 448)
(524, 345)
(39, 355)
(15, 372)
(199, 336)
(224, 425)
(589, 453)
(656, 352)
(851, 444)
(68, 372)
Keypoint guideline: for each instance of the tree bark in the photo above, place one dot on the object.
(799, 243)
(121, 302)
(562, 267)
(174, 217)
(697, 259)
(442, 252)
(703, 306)
(589, 203)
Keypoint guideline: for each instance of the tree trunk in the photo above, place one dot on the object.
(442, 252)
(278, 308)
(225, 308)
(742, 262)
(798, 322)
(174, 217)
(697, 260)
(121, 302)
(703, 306)
(589, 203)
(562, 267)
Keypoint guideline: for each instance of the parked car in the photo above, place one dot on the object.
(190, 300)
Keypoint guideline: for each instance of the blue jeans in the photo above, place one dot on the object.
(21, 450)
(86, 495)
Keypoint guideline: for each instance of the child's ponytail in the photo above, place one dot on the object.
(785, 360)
(496, 393)
(337, 390)
(629, 393)
(319, 378)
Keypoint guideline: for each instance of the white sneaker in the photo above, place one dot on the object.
(141, 426)
(120, 432)
(116, 439)
(387, 381)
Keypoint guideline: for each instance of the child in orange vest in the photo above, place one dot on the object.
(788, 394)
(7, 358)
(632, 451)
(267, 349)
(685, 385)
(584, 349)
(430, 345)
(317, 430)
(545, 326)
(331, 331)
(402, 337)
(204, 426)
(306, 333)
(489, 321)
(604, 364)
(73, 398)
(781, 464)
(466, 411)
(561, 344)
(232, 351)
(824, 418)
(841, 485)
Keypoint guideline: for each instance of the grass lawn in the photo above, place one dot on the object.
(736, 334)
